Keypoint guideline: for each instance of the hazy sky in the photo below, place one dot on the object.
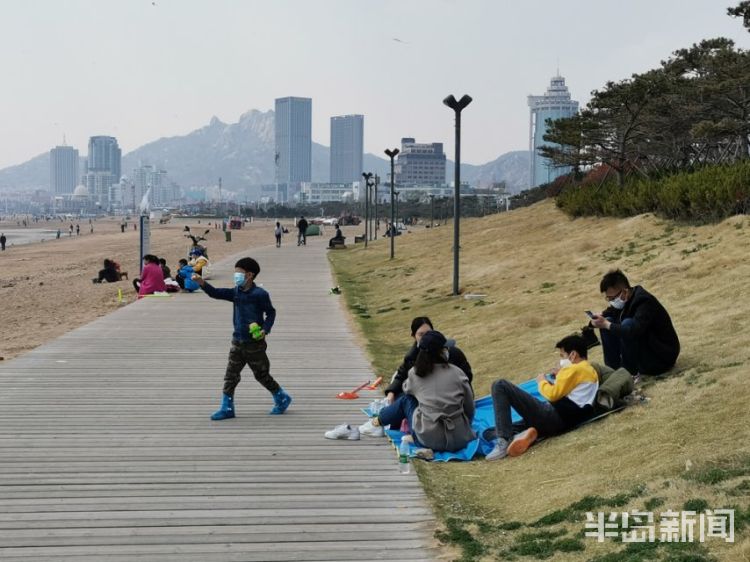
(140, 70)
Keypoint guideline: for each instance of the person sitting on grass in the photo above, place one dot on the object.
(636, 330)
(571, 392)
(151, 279)
(420, 326)
(437, 402)
(109, 273)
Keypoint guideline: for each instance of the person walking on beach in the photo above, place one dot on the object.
(3, 240)
(70, 233)
(253, 316)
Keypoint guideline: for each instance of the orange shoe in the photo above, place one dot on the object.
(521, 442)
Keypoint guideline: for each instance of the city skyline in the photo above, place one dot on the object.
(195, 60)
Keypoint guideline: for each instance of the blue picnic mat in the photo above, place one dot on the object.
(484, 418)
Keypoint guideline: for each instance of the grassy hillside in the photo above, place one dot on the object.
(540, 270)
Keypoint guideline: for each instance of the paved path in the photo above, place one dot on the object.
(107, 451)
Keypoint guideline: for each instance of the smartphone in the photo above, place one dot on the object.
(589, 313)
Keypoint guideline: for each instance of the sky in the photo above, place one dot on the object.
(141, 69)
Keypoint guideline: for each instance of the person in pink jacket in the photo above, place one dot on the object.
(152, 278)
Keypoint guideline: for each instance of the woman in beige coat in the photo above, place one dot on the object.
(438, 401)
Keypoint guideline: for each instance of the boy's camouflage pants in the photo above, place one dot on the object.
(252, 354)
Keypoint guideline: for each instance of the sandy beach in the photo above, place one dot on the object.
(46, 288)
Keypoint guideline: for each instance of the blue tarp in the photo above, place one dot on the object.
(484, 418)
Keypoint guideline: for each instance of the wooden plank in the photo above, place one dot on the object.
(107, 452)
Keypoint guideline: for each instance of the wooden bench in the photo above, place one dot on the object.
(358, 239)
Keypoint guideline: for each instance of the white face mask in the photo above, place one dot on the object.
(617, 304)
(565, 363)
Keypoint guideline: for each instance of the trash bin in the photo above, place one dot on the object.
(228, 235)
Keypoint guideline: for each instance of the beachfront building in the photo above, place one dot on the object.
(293, 136)
(347, 137)
(103, 170)
(420, 163)
(63, 170)
(321, 192)
(555, 103)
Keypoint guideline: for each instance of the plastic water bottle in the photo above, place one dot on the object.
(403, 458)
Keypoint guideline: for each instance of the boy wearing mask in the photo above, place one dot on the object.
(252, 305)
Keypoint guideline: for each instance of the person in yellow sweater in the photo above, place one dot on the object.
(571, 391)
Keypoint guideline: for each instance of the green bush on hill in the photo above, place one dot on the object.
(708, 194)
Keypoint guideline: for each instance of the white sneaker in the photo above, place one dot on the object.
(368, 428)
(343, 431)
(499, 452)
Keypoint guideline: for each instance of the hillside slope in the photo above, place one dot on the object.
(540, 270)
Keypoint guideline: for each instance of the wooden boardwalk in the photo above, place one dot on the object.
(107, 451)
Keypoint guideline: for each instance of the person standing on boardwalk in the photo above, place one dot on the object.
(302, 227)
(278, 231)
(252, 306)
(3, 240)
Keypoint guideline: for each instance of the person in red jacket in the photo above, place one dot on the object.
(151, 279)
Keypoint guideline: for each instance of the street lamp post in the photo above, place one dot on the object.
(432, 209)
(392, 154)
(367, 176)
(397, 193)
(457, 107)
(377, 217)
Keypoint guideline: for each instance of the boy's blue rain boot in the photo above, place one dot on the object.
(226, 410)
(281, 401)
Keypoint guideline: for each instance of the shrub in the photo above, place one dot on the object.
(709, 194)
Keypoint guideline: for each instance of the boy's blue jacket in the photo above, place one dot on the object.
(253, 305)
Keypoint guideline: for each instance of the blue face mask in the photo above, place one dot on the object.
(239, 279)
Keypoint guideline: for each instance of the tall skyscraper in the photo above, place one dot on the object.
(347, 137)
(103, 169)
(105, 155)
(420, 164)
(63, 170)
(554, 104)
(293, 123)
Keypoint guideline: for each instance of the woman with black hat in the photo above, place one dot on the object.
(438, 402)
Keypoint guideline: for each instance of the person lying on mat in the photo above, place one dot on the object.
(571, 392)
(437, 400)
(420, 326)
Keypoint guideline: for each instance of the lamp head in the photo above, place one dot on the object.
(367, 175)
(451, 102)
(391, 153)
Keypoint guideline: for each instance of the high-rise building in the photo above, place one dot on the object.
(63, 170)
(293, 123)
(149, 177)
(105, 155)
(420, 164)
(103, 169)
(347, 137)
(554, 104)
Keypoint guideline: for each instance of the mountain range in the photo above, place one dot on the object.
(242, 154)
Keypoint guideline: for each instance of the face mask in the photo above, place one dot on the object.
(239, 279)
(565, 363)
(617, 304)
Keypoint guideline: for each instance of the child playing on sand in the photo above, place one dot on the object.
(252, 305)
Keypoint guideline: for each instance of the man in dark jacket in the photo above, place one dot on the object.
(636, 330)
(420, 326)
(302, 235)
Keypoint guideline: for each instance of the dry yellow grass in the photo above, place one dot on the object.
(540, 270)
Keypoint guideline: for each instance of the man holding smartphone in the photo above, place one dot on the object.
(636, 330)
